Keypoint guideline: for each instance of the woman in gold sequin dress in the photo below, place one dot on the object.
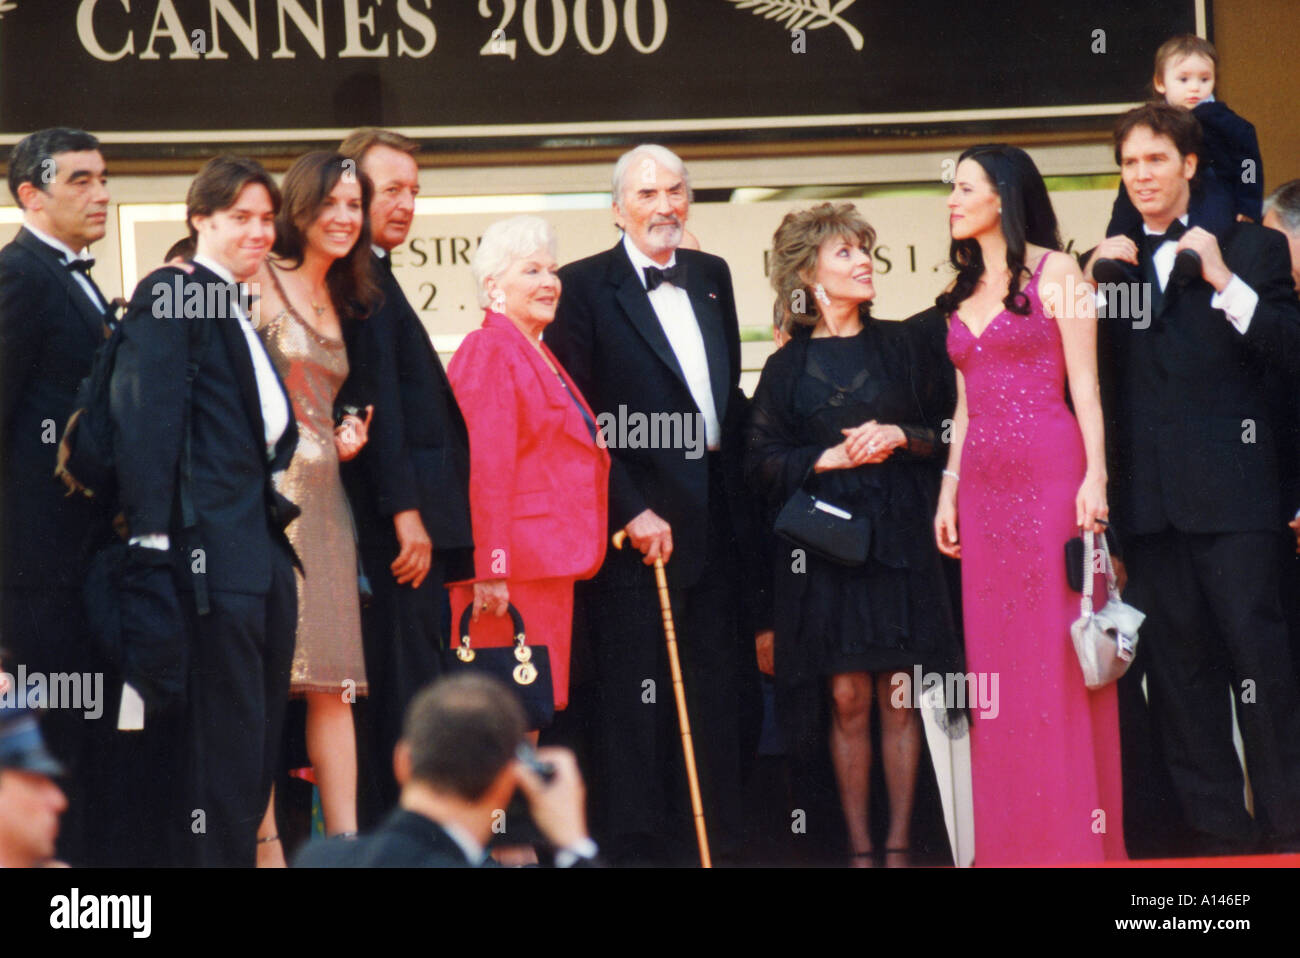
(319, 272)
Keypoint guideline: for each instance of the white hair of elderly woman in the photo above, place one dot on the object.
(660, 154)
(506, 242)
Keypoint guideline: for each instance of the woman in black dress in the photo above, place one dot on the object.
(851, 410)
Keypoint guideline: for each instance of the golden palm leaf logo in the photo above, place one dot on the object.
(804, 15)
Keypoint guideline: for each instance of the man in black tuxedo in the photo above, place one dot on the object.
(1195, 493)
(649, 333)
(212, 603)
(409, 487)
(1282, 213)
(456, 762)
(52, 319)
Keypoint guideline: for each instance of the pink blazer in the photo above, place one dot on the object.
(538, 484)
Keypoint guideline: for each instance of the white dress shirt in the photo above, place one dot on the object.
(1238, 301)
(672, 305)
(275, 409)
(68, 256)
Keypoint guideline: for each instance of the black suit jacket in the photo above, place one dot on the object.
(1191, 412)
(404, 840)
(49, 332)
(417, 456)
(609, 339)
(240, 515)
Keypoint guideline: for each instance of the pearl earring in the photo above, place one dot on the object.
(820, 292)
(498, 301)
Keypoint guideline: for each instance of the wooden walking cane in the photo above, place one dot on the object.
(679, 693)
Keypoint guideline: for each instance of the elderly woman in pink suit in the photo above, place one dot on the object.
(538, 473)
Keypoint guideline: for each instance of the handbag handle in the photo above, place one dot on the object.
(466, 654)
(1112, 589)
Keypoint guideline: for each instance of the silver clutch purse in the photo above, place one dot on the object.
(1104, 640)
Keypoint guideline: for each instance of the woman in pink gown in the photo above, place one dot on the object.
(1023, 476)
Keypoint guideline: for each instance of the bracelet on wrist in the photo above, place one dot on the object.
(952, 475)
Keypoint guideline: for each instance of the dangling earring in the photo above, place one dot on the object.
(820, 292)
(999, 211)
(498, 301)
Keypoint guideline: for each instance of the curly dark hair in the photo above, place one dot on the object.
(1027, 217)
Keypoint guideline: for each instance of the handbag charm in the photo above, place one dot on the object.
(1105, 640)
(525, 673)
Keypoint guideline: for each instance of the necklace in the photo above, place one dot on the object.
(320, 310)
(311, 296)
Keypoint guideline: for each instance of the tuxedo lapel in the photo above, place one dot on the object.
(635, 301)
(241, 361)
(704, 302)
(53, 262)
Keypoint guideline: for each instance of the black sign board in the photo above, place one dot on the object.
(169, 75)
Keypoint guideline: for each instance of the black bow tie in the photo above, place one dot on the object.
(1174, 233)
(80, 265)
(673, 274)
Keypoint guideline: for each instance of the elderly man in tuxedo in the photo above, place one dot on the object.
(52, 319)
(409, 487)
(202, 421)
(649, 333)
(1192, 424)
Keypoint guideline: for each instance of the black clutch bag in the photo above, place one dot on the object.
(524, 668)
(824, 529)
(1074, 559)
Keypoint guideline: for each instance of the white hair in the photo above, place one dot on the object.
(660, 154)
(505, 242)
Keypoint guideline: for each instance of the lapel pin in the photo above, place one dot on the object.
(713, 295)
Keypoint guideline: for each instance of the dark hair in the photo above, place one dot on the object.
(183, 248)
(356, 144)
(307, 185)
(795, 248)
(1179, 48)
(28, 157)
(1027, 217)
(219, 183)
(1160, 118)
(462, 731)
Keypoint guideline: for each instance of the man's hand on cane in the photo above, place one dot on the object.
(651, 536)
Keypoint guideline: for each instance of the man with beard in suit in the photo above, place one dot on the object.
(1192, 429)
(649, 333)
(52, 320)
(208, 598)
(409, 487)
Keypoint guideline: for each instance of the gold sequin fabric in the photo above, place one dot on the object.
(327, 655)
